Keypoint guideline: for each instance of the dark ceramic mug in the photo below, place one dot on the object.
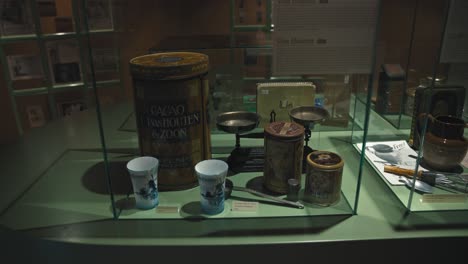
(444, 126)
(444, 143)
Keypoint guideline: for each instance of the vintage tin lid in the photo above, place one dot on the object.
(169, 65)
(325, 160)
(284, 130)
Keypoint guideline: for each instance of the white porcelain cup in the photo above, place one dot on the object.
(144, 175)
(211, 178)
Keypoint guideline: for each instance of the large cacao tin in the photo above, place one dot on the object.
(323, 178)
(171, 97)
(284, 145)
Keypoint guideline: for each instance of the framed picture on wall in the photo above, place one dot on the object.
(15, 18)
(35, 115)
(99, 14)
(64, 61)
(67, 108)
(23, 67)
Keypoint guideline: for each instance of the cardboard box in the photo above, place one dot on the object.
(275, 100)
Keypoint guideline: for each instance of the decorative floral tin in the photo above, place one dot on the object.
(323, 178)
(171, 97)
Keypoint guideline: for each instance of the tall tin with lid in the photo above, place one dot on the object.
(284, 145)
(171, 97)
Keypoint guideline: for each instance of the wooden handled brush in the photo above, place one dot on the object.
(426, 176)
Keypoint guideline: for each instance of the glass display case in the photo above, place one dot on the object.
(304, 95)
(265, 58)
(420, 100)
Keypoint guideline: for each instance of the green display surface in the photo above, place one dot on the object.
(61, 194)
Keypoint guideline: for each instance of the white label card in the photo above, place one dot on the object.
(167, 209)
(444, 198)
(240, 206)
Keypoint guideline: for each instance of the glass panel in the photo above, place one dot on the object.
(411, 47)
(442, 146)
(249, 71)
(52, 144)
(411, 142)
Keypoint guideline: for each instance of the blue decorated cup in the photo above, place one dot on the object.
(211, 178)
(144, 175)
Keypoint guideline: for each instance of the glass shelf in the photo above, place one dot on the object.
(104, 84)
(52, 36)
(32, 91)
(61, 35)
(67, 85)
(15, 38)
(63, 87)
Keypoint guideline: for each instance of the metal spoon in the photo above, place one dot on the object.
(229, 187)
(419, 185)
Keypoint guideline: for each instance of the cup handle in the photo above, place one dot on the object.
(420, 119)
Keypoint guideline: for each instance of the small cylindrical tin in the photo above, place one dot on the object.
(323, 178)
(284, 145)
(294, 186)
(171, 97)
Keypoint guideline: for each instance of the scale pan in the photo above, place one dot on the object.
(237, 122)
(306, 115)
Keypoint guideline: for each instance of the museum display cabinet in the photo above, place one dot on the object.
(266, 58)
(423, 93)
(301, 99)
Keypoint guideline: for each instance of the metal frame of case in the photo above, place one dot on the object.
(80, 172)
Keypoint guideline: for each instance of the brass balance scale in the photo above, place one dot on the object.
(251, 159)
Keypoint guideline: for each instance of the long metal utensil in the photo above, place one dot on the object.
(276, 199)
